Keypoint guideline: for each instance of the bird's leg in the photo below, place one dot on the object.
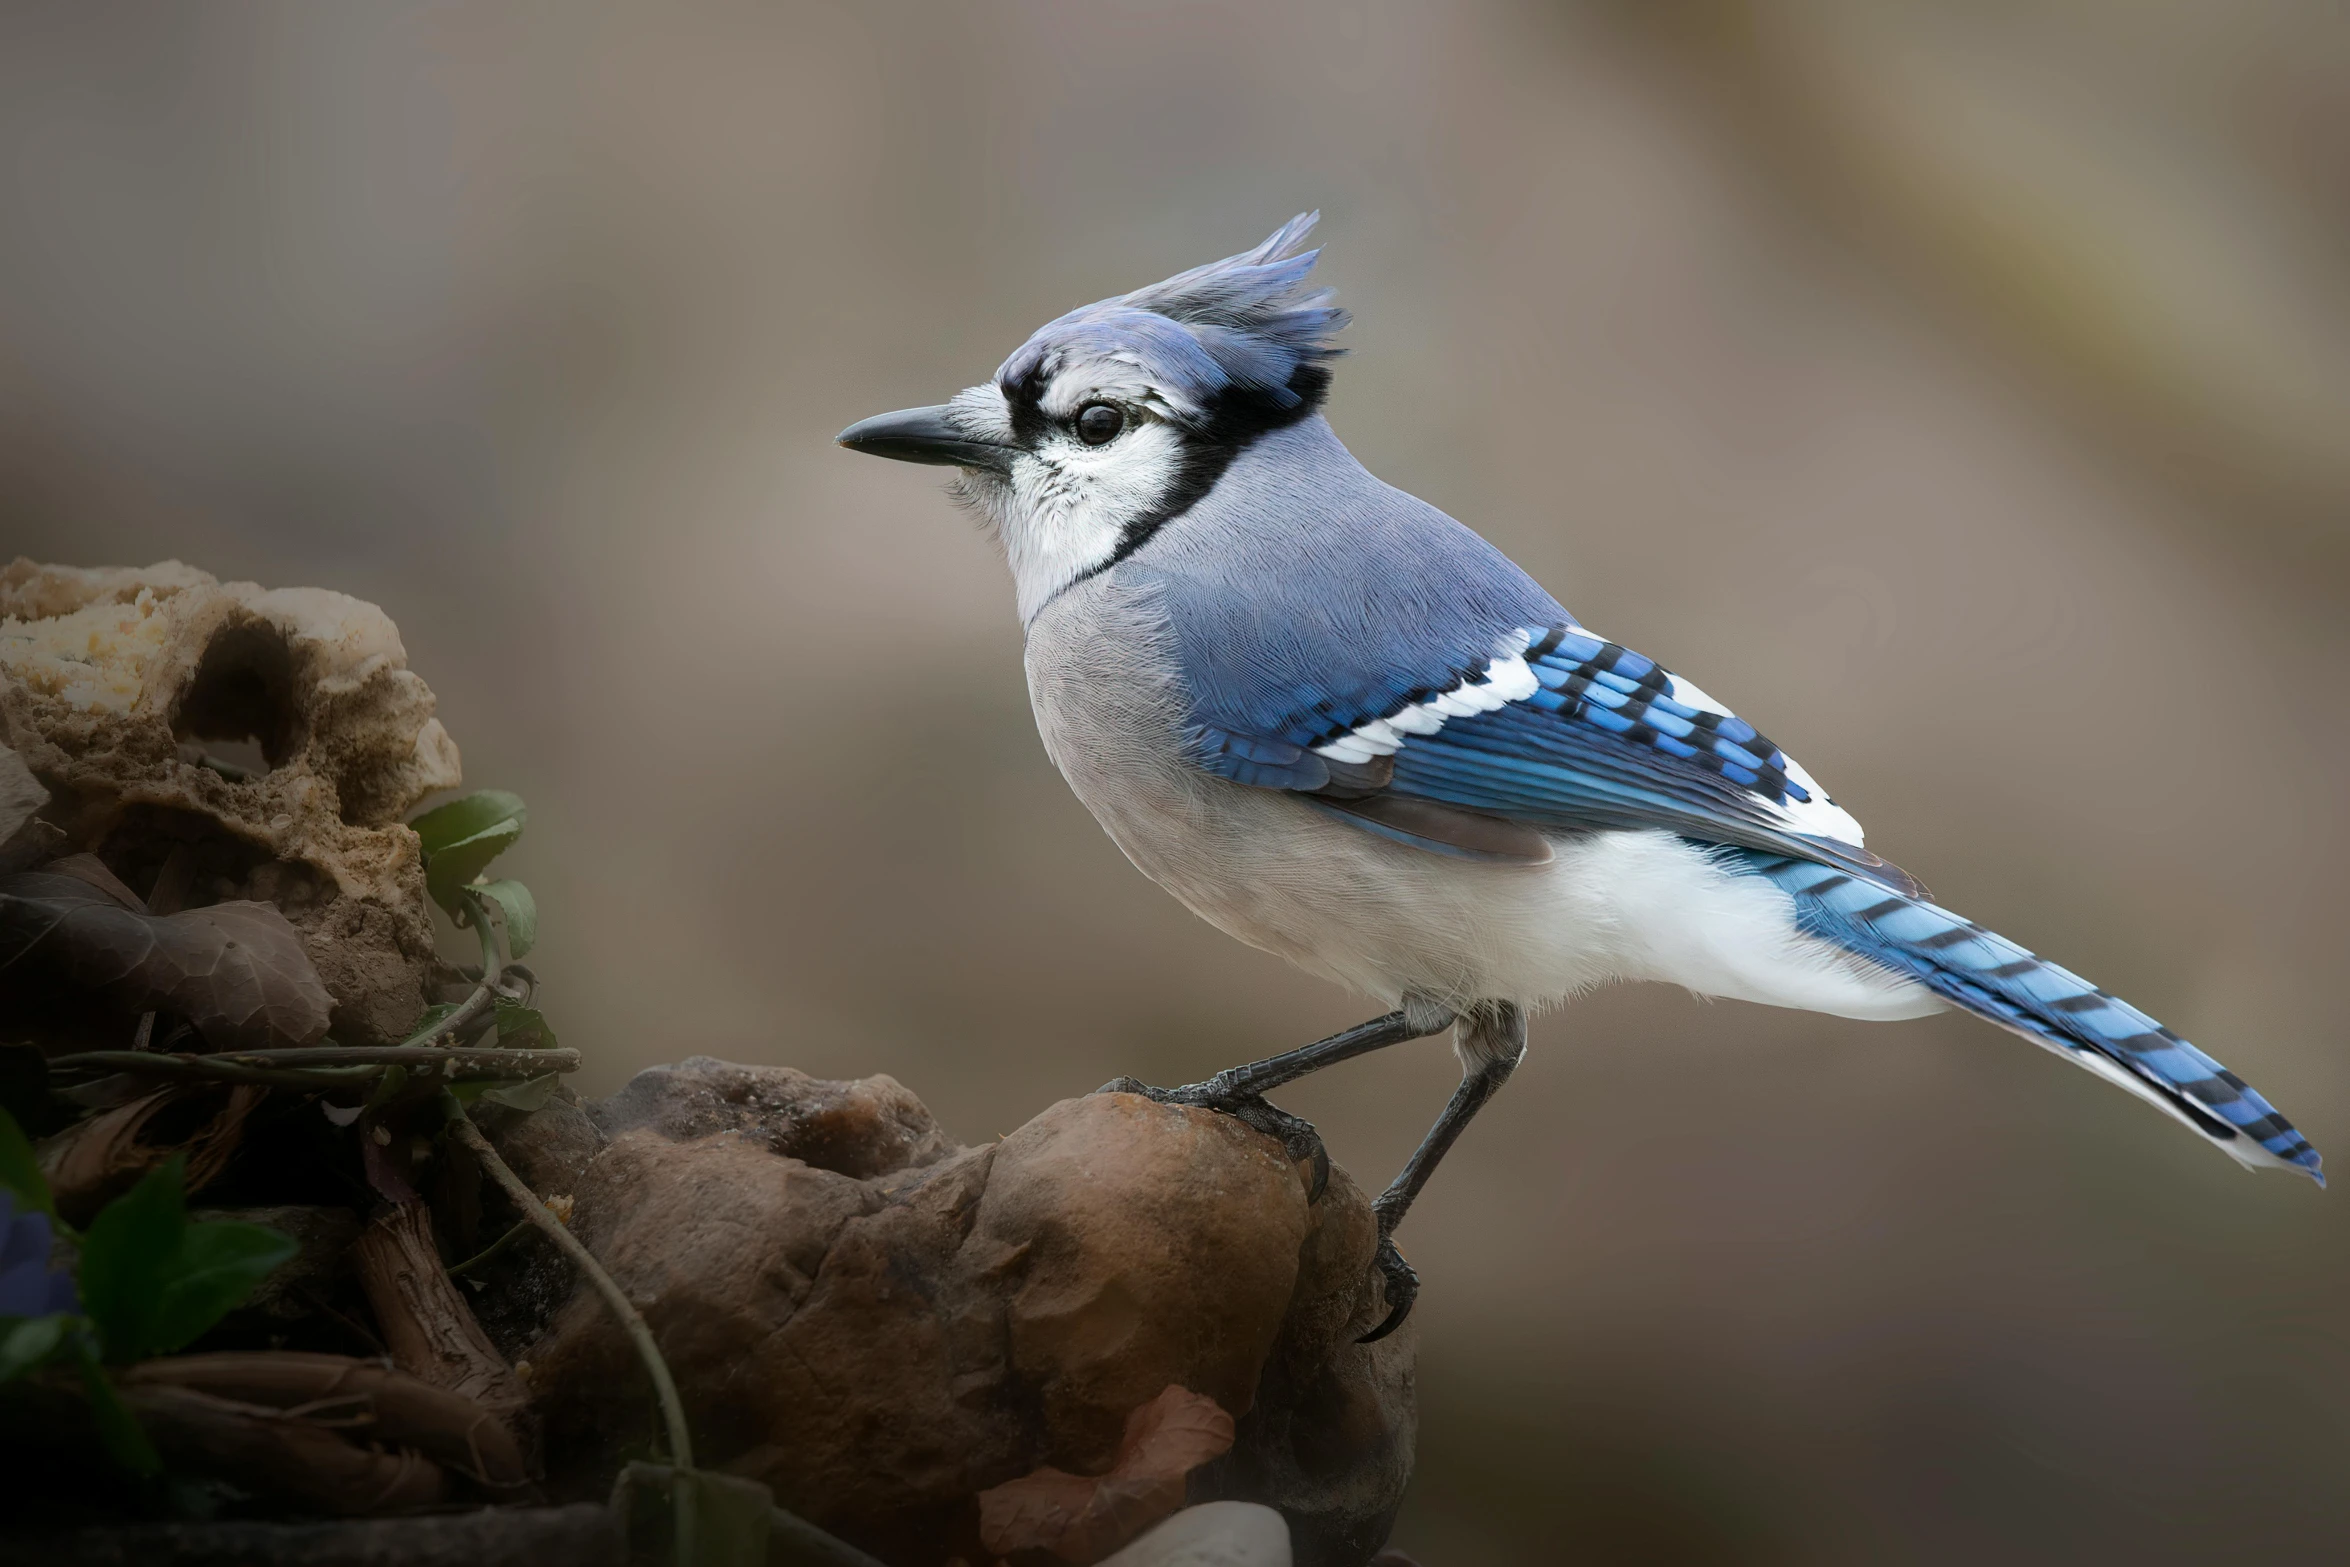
(1240, 1091)
(1492, 1040)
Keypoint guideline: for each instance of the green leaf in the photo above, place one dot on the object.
(521, 1027)
(447, 872)
(525, 1096)
(27, 1341)
(216, 1268)
(20, 1167)
(116, 1426)
(446, 825)
(127, 1257)
(462, 837)
(521, 912)
(152, 1282)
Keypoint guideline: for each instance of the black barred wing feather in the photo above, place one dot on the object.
(1575, 733)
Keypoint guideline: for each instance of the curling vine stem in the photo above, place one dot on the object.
(492, 935)
(681, 1442)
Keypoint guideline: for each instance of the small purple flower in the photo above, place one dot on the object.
(27, 1287)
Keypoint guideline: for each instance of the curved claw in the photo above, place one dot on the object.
(1296, 1135)
(1403, 1287)
(1299, 1140)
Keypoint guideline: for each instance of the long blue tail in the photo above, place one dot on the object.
(1994, 978)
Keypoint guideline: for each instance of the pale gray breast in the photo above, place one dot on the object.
(1102, 678)
(1252, 862)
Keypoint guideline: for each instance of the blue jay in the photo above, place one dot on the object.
(1338, 725)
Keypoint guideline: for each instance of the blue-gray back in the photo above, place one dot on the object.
(1304, 592)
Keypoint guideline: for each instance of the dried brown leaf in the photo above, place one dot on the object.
(1081, 1519)
(93, 1161)
(237, 971)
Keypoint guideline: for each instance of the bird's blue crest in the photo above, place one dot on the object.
(1247, 321)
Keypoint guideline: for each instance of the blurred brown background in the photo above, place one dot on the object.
(1960, 390)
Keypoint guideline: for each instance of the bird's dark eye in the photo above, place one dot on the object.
(1099, 423)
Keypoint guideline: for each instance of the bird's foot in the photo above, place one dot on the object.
(1402, 1287)
(1295, 1134)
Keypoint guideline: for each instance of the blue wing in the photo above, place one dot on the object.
(1549, 727)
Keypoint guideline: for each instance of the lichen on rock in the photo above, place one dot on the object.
(122, 688)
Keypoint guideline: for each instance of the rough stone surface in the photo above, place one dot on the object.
(879, 1324)
(869, 1127)
(1332, 1434)
(112, 684)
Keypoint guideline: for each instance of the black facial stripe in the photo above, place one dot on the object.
(1023, 400)
(1235, 421)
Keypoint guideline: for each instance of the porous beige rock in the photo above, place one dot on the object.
(879, 1324)
(113, 682)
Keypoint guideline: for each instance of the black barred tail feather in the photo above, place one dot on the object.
(1994, 978)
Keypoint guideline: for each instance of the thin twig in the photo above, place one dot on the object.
(485, 995)
(681, 1442)
(481, 1058)
(478, 1058)
(325, 1066)
(358, 1330)
(494, 1249)
(156, 1064)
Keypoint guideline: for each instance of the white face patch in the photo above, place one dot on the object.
(1065, 507)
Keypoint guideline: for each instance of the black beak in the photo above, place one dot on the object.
(924, 435)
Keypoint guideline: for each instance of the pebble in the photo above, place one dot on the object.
(1213, 1534)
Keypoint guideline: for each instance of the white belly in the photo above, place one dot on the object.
(1388, 920)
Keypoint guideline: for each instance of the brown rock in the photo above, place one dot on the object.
(1153, 1244)
(114, 682)
(92, 1162)
(880, 1325)
(1332, 1438)
(869, 1127)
